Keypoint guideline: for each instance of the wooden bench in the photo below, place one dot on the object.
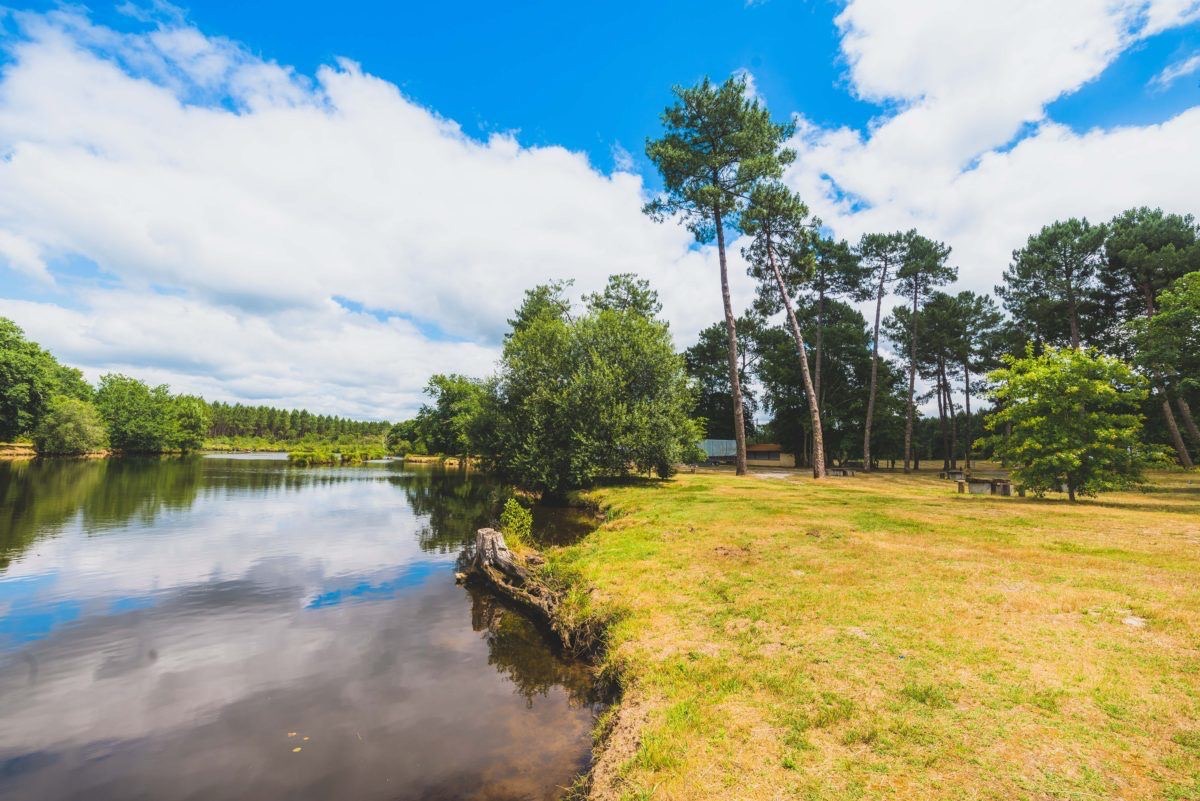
(840, 471)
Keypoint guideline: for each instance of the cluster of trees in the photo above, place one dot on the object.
(576, 396)
(57, 409)
(1121, 290)
(286, 425)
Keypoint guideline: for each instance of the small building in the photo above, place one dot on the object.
(769, 454)
(719, 451)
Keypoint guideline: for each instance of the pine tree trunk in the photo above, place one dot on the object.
(1073, 312)
(912, 382)
(735, 383)
(814, 413)
(818, 349)
(1181, 451)
(967, 418)
(941, 401)
(874, 372)
(953, 420)
(1189, 422)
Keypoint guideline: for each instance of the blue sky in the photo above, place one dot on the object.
(209, 197)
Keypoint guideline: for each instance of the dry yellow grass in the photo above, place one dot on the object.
(883, 637)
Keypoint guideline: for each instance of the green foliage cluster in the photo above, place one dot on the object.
(30, 380)
(70, 426)
(53, 404)
(516, 522)
(327, 455)
(577, 399)
(145, 419)
(1069, 421)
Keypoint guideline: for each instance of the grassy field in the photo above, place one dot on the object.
(883, 637)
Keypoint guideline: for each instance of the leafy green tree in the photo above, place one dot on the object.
(880, 257)
(924, 268)
(190, 421)
(139, 419)
(776, 220)
(717, 145)
(580, 399)
(1145, 252)
(400, 438)
(1167, 343)
(706, 362)
(70, 426)
(445, 425)
(1071, 422)
(29, 378)
(1051, 280)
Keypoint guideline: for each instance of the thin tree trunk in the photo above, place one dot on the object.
(818, 350)
(967, 417)
(814, 413)
(1181, 451)
(1073, 313)
(953, 420)
(1189, 422)
(941, 401)
(819, 344)
(735, 382)
(912, 380)
(874, 371)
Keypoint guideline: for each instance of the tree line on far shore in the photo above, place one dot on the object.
(61, 413)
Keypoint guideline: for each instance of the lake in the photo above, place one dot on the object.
(237, 628)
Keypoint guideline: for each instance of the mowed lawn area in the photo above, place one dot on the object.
(881, 636)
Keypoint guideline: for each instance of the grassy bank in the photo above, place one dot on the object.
(883, 637)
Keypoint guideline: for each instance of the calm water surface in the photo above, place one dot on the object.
(231, 628)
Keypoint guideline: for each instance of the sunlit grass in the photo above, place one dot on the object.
(883, 637)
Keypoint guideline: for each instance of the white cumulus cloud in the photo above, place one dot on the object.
(248, 215)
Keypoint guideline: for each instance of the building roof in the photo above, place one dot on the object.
(769, 447)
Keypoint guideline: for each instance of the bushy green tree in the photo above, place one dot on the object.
(190, 421)
(718, 143)
(1049, 286)
(444, 425)
(1167, 344)
(139, 418)
(1069, 420)
(579, 399)
(29, 378)
(70, 426)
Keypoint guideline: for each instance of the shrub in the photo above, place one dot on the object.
(70, 426)
(516, 522)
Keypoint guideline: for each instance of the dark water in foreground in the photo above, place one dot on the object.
(231, 628)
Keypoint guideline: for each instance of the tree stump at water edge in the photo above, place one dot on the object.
(510, 576)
